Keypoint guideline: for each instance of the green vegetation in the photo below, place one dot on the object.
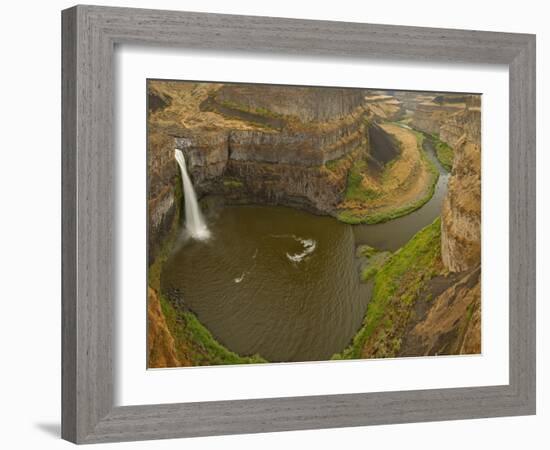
(357, 217)
(232, 183)
(397, 285)
(243, 108)
(371, 260)
(365, 251)
(194, 342)
(443, 151)
(445, 155)
(355, 189)
(334, 164)
(260, 117)
(353, 217)
(374, 264)
(231, 105)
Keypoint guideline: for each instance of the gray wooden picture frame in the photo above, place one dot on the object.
(90, 34)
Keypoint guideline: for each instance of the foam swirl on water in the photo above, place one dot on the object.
(309, 247)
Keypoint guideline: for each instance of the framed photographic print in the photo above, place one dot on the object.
(278, 224)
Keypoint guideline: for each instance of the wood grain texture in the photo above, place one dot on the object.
(68, 225)
(89, 199)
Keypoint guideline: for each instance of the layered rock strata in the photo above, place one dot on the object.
(385, 107)
(267, 144)
(461, 214)
(453, 323)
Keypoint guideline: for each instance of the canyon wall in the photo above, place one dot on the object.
(430, 116)
(461, 214)
(465, 122)
(452, 324)
(163, 187)
(270, 146)
(276, 167)
(308, 104)
(385, 107)
(456, 120)
(161, 349)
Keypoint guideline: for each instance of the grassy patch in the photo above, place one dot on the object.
(244, 108)
(351, 217)
(369, 272)
(335, 164)
(365, 251)
(397, 286)
(445, 155)
(354, 217)
(443, 151)
(354, 188)
(374, 264)
(232, 183)
(195, 343)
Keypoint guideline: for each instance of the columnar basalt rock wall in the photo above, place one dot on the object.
(430, 116)
(309, 147)
(461, 214)
(452, 325)
(385, 107)
(162, 178)
(206, 153)
(276, 167)
(466, 122)
(308, 104)
(282, 165)
(410, 99)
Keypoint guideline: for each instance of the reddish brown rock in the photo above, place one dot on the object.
(161, 351)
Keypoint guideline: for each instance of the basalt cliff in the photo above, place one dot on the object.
(453, 324)
(427, 296)
(252, 144)
(307, 148)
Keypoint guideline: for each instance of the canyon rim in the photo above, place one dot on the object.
(295, 223)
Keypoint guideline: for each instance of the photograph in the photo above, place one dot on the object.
(261, 225)
(311, 223)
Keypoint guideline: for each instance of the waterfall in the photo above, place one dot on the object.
(194, 222)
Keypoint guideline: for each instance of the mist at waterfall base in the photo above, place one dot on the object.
(194, 221)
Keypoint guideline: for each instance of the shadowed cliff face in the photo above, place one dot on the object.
(383, 147)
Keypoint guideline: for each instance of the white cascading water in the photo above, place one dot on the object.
(194, 221)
